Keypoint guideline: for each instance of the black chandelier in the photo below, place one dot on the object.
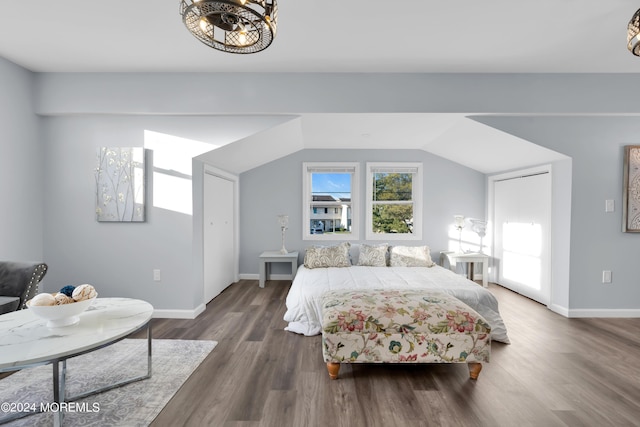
(633, 34)
(235, 26)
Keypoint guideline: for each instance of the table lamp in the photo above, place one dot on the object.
(284, 221)
(459, 224)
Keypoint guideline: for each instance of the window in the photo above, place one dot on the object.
(394, 201)
(330, 208)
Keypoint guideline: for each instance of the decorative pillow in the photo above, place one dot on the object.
(411, 256)
(373, 256)
(328, 256)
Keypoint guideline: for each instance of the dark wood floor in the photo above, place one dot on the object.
(556, 372)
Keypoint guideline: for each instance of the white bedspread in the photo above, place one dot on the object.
(304, 312)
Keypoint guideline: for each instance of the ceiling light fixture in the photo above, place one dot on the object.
(633, 34)
(235, 26)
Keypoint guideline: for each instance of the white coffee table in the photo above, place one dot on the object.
(28, 342)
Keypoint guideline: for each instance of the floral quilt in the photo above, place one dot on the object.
(395, 325)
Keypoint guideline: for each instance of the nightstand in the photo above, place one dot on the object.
(455, 258)
(268, 257)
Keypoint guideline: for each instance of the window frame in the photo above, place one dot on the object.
(416, 196)
(330, 167)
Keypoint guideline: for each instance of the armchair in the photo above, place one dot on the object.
(19, 283)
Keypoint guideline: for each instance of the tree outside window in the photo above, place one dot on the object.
(394, 201)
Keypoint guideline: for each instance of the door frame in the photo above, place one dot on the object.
(211, 170)
(491, 180)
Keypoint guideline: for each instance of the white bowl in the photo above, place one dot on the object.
(61, 315)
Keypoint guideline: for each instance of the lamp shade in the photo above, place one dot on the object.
(283, 220)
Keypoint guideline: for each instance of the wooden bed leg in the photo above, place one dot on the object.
(333, 369)
(474, 370)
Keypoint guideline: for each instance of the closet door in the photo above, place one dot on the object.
(522, 209)
(219, 250)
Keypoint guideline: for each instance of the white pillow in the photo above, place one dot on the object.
(373, 255)
(328, 256)
(411, 256)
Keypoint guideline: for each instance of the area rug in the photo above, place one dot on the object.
(135, 404)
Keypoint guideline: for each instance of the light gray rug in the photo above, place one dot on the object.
(136, 404)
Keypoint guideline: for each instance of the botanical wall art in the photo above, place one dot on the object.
(631, 195)
(120, 184)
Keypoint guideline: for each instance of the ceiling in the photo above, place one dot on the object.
(463, 36)
(451, 136)
(426, 36)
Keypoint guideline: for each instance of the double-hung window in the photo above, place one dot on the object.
(394, 201)
(330, 201)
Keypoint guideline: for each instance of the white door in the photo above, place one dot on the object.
(219, 243)
(522, 231)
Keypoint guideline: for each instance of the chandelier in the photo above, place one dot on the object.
(235, 26)
(633, 36)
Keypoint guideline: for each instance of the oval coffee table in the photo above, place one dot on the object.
(28, 342)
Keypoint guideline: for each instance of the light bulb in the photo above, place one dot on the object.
(204, 25)
(242, 37)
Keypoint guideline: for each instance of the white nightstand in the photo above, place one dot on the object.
(275, 256)
(455, 258)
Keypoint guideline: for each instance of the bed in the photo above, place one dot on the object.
(304, 301)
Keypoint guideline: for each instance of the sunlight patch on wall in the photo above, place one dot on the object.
(522, 248)
(467, 241)
(172, 169)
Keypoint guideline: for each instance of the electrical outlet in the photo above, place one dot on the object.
(609, 206)
(156, 275)
(606, 276)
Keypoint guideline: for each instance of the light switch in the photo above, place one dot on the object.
(609, 206)
(606, 276)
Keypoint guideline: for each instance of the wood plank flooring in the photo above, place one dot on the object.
(556, 372)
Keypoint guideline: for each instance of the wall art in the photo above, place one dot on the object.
(631, 194)
(120, 184)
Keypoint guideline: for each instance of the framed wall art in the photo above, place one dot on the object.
(631, 191)
(120, 184)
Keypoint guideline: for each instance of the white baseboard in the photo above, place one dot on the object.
(179, 314)
(594, 312)
(563, 311)
(603, 312)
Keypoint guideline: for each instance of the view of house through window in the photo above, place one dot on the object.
(331, 203)
(328, 200)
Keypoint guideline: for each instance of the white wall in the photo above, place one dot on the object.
(117, 258)
(591, 143)
(291, 93)
(21, 164)
(276, 188)
(595, 145)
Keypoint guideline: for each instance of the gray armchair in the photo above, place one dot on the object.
(19, 283)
